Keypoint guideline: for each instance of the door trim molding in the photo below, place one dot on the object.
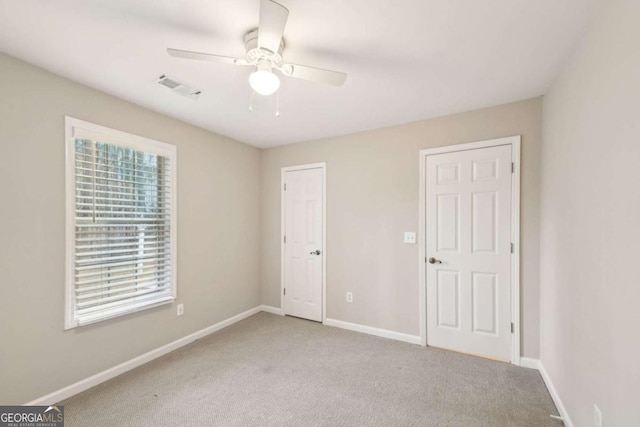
(514, 141)
(283, 171)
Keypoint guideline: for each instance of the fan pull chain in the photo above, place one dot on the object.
(250, 100)
(277, 104)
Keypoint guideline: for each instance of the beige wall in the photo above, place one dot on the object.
(372, 198)
(218, 184)
(591, 223)
(224, 225)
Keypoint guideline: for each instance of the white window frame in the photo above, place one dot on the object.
(75, 128)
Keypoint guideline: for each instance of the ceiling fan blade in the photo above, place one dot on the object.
(273, 18)
(314, 74)
(178, 53)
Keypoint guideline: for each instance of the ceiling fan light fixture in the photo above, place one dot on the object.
(264, 82)
(264, 48)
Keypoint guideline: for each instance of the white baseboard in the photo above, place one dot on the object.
(110, 373)
(555, 396)
(527, 362)
(412, 339)
(272, 310)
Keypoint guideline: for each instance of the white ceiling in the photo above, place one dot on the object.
(406, 59)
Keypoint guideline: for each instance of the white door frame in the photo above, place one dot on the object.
(283, 172)
(514, 141)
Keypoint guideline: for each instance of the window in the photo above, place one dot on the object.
(121, 223)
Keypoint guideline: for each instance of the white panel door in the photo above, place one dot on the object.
(303, 249)
(468, 247)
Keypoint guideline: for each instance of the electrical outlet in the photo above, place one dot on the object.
(180, 309)
(349, 296)
(409, 237)
(597, 416)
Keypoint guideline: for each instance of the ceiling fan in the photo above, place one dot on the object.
(265, 47)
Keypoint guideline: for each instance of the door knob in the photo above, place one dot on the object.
(432, 260)
(316, 252)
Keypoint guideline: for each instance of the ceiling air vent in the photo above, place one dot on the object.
(178, 87)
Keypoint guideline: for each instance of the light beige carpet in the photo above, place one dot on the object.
(269, 370)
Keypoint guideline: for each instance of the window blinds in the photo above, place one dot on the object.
(123, 248)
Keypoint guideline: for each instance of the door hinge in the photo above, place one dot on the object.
(513, 167)
(425, 259)
(285, 239)
(511, 327)
(285, 187)
(284, 292)
(512, 248)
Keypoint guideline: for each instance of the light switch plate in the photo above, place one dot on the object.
(409, 237)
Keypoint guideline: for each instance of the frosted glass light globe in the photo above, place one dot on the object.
(264, 82)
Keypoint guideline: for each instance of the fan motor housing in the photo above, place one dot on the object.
(256, 54)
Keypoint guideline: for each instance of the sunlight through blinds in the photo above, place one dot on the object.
(123, 248)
